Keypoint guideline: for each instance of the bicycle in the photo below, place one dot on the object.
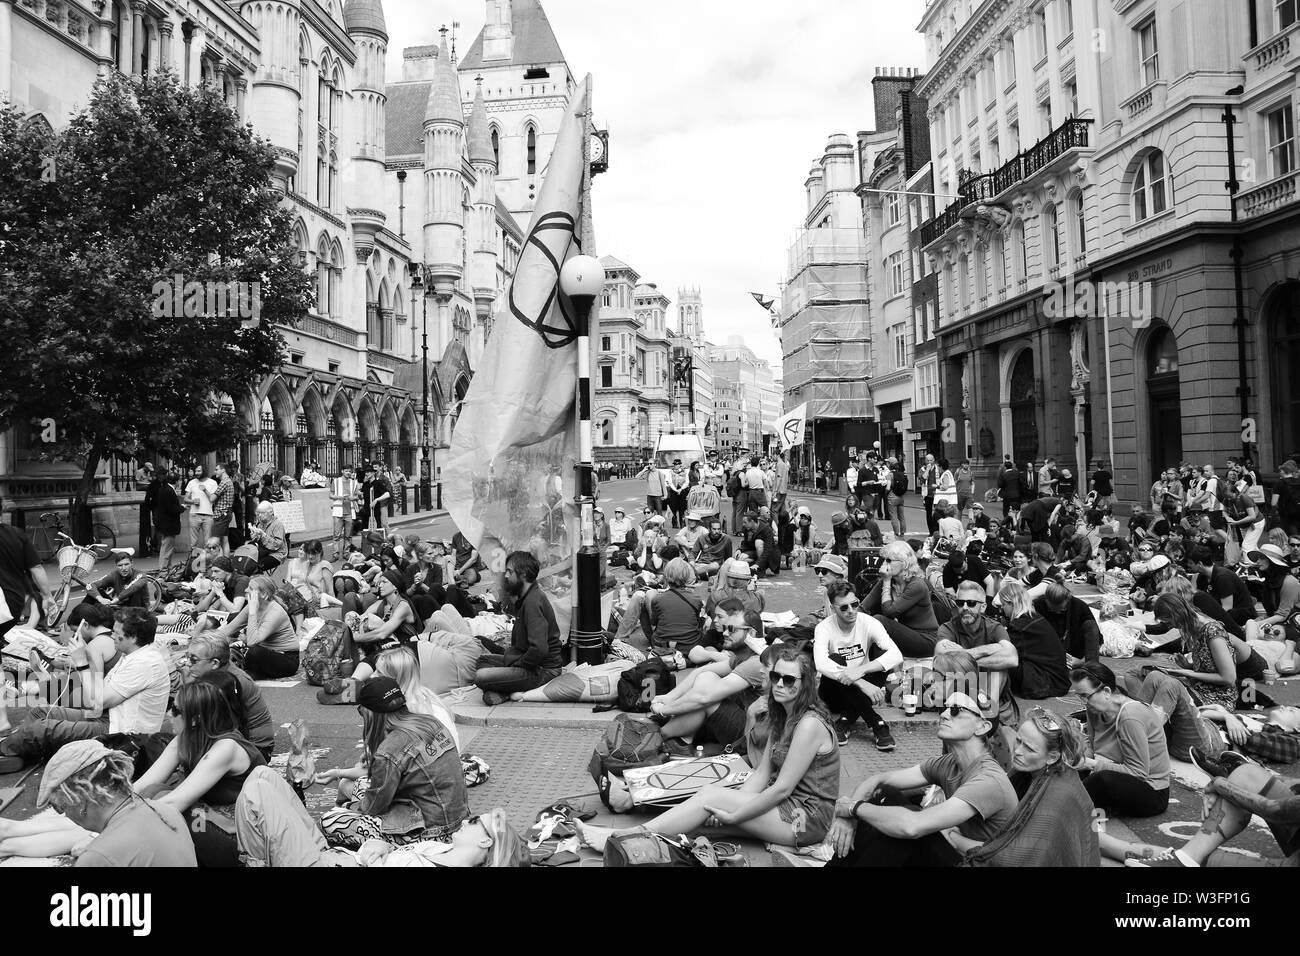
(76, 561)
(46, 535)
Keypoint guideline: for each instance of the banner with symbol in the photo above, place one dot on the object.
(790, 427)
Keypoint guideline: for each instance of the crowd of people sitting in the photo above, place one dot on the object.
(975, 620)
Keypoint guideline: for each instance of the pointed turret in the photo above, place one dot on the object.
(444, 95)
(480, 137)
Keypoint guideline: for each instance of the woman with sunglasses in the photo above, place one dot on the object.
(1042, 671)
(487, 840)
(853, 653)
(789, 799)
(1128, 770)
(900, 600)
(1218, 663)
(1053, 824)
(878, 826)
(213, 759)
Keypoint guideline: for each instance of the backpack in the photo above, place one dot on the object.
(628, 742)
(638, 685)
(899, 483)
(646, 848)
(733, 485)
(323, 659)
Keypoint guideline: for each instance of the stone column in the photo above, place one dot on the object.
(6, 48)
(165, 53)
(124, 44)
(137, 36)
(241, 96)
(196, 56)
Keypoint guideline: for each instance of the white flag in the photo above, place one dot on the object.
(790, 426)
(510, 476)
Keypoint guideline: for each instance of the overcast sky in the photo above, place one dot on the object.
(716, 109)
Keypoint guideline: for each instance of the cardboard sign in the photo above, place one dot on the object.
(290, 515)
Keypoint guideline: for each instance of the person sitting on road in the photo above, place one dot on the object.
(131, 699)
(831, 568)
(758, 543)
(92, 652)
(1281, 589)
(312, 576)
(674, 612)
(208, 654)
(390, 623)
(1073, 622)
(900, 600)
(1187, 729)
(229, 594)
(1128, 766)
(1042, 671)
(1218, 664)
(414, 789)
(735, 579)
(688, 537)
(712, 649)
(268, 534)
(877, 826)
(535, 655)
(789, 799)
(1054, 823)
(971, 643)
(1238, 791)
(653, 540)
(807, 543)
(269, 634)
(712, 550)
(1075, 551)
(121, 587)
(853, 654)
(89, 786)
(967, 565)
(622, 532)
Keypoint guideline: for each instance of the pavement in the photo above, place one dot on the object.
(539, 752)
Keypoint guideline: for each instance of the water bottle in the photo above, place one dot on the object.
(699, 753)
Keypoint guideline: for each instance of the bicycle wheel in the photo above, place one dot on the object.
(60, 600)
(154, 591)
(44, 542)
(104, 535)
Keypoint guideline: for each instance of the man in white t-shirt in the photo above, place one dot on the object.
(134, 695)
(198, 495)
(853, 654)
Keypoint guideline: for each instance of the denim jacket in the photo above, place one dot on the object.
(416, 782)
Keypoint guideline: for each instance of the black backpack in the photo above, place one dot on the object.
(639, 685)
(899, 484)
(733, 485)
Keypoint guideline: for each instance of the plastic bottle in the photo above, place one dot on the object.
(699, 753)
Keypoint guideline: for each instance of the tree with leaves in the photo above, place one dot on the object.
(153, 191)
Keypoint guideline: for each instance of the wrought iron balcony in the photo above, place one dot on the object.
(972, 188)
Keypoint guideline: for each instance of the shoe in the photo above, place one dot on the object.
(884, 739)
(677, 747)
(1177, 860)
(842, 730)
(491, 698)
(1221, 765)
(337, 691)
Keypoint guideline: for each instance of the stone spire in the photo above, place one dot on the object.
(444, 96)
(480, 137)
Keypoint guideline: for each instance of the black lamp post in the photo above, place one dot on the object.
(582, 279)
(417, 283)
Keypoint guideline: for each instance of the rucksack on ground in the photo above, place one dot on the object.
(629, 741)
(639, 685)
(647, 848)
(323, 658)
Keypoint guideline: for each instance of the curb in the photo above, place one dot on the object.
(501, 716)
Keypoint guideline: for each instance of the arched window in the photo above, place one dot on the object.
(1151, 193)
(531, 138)
(1024, 408)
(323, 262)
(1051, 236)
(1162, 354)
(496, 145)
(1165, 401)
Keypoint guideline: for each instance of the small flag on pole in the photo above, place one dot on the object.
(790, 426)
(763, 300)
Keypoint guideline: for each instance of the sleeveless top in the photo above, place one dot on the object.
(226, 790)
(819, 787)
(406, 632)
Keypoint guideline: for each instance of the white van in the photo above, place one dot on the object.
(688, 447)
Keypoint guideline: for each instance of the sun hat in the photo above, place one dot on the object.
(737, 567)
(69, 759)
(1270, 551)
(833, 563)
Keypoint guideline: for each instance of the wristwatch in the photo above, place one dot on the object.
(854, 811)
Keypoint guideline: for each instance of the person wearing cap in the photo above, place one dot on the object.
(388, 623)
(979, 517)
(622, 532)
(712, 550)
(132, 698)
(1281, 591)
(735, 579)
(415, 789)
(535, 654)
(876, 825)
(689, 536)
(853, 654)
(89, 786)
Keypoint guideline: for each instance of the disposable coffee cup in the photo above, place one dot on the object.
(909, 705)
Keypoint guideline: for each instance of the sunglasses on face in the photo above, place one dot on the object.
(1293, 544)
(1048, 719)
(849, 606)
(785, 680)
(956, 710)
(735, 628)
(970, 603)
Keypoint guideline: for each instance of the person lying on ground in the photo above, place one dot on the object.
(101, 817)
(131, 699)
(414, 789)
(853, 654)
(1054, 822)
(1273, 735)
(212, 759)
(878, 826)
(789, 798)
(1127, 769)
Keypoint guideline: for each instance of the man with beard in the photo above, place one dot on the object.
(759, 544)
(853, 654)
(712, 551)
(971, 643)
(535, 654)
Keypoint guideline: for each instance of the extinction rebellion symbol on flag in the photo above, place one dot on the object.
(552, 236)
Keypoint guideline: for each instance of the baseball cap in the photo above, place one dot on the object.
(833, 563)
(381, 695)
(70, 758)
(737, 567)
